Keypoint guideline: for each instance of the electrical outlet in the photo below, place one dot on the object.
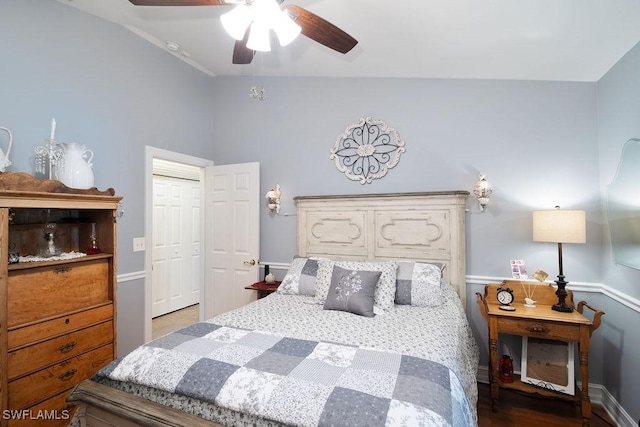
(138, 244)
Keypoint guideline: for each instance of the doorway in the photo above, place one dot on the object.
(231, 196)
(168, 158)
(177, 244)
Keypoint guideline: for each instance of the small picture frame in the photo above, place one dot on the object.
(548, 364)
(540, 275)
(518, 269)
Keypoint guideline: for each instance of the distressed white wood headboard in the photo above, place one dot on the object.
(393, 226)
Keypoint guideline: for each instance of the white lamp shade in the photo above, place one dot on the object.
(259, 38)
(237, 20)
(559, 226)
(286, 29)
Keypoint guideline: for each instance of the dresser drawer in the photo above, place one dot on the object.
(59, 289)
(53, 412)
(61, 325)
(29, 390)
(539, 329)
(34, 357)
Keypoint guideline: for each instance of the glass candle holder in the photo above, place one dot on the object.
(49, 247)
(93, 248)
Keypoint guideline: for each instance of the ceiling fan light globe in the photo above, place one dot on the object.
(237, 20)
(266, 13)
(286, 29)
(259, 38)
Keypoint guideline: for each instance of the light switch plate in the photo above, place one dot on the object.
(138, 244)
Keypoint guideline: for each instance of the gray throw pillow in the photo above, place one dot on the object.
(419, 284)
(352, 291)
(385, 291)
(300, 278)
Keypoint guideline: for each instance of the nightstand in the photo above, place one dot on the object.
(263, 288)
(539, 322)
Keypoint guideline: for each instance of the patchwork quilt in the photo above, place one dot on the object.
(296, 381)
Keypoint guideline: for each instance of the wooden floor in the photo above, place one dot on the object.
(515, 409)
(162, 325)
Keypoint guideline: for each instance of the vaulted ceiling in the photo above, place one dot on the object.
(567, 40)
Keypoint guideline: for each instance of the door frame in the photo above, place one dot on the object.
(149, 155)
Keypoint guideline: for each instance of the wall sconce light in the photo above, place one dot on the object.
(482, 189)
(273, 199)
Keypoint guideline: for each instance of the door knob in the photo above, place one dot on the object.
(251, 262)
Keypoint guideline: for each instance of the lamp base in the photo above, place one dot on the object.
(562, 307)
(561, 293)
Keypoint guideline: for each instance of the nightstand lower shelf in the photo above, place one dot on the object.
(523, 387)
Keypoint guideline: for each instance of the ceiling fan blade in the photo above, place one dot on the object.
(320, 30)
(241, 53)
(180, 2)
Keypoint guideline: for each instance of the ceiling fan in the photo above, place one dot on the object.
(311, 25)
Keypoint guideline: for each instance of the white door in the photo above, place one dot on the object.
(232, 229)
(176, 244)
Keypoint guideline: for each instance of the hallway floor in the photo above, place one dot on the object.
(170, 322)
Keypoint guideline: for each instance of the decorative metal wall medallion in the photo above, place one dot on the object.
(367, 150)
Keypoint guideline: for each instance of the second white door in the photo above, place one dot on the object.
(176, 275)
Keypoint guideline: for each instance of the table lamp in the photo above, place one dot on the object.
(560, 226)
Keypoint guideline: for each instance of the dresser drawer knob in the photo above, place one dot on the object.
(537, 328)
(67, 347)
(60, 270)
(67, 375)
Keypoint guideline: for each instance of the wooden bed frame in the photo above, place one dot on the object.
(413, 226)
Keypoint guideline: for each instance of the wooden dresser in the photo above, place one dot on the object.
(57, 316)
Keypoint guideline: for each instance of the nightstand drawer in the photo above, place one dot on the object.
(34, 357)
(539, 329)
(28, 390)
(61, 325)
(64, 287)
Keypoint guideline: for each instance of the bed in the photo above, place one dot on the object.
(368, 328)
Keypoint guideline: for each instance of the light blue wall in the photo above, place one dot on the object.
(539, 143)
(110, 90)
(535, 141)
(618, 121)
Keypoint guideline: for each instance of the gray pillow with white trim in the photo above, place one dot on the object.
(385, 291)
(352, 291)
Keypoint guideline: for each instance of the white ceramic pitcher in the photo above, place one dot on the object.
(4, 158)
(75, 170)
